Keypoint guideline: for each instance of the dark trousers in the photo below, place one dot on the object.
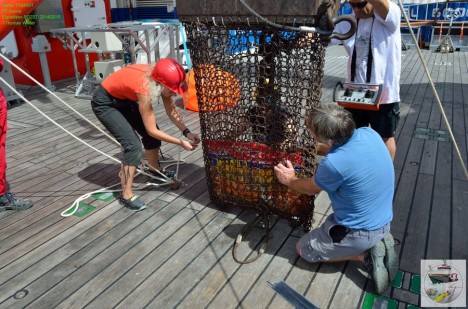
(123, 120)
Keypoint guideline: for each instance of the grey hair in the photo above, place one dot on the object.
(331, 122)
(154, 88)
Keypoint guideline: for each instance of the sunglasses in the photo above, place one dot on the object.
(358, 5)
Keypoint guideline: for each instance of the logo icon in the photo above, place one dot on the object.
(443, 283)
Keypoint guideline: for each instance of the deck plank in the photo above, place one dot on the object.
(243, 280)
(177, 253)
(195, 253)
(459, 215)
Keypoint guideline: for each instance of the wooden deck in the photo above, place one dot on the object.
(177, 252)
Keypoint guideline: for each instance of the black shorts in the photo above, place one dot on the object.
(384, 121)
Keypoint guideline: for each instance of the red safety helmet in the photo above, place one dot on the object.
(170, 74)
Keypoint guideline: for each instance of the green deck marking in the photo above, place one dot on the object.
(105, 196)
(421, 136)
(413, 307)
(440, 139)
(431, 134)
(373, 301)
(83, 210)
(422, 130)
(398, 280)
(415, 285)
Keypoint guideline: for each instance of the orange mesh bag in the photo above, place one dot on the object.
(218, 89)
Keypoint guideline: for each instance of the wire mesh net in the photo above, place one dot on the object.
(255, 86)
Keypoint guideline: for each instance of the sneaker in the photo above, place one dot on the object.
(9, 202)
(391, 258)
(133, 203)
(379, 271)
(168, 173)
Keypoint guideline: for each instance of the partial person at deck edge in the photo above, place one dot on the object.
(357, 174)
(123, 104)
(375, 57)
(7, 200)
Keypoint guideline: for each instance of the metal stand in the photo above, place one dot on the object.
(135, 37)
(446, 46)
(45, 71)
(41, 46)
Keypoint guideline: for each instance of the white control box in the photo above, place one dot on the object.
(88, 12)
(358, 95)
(107, 67)
(105, 41)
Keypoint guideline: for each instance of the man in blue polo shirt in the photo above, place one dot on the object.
(357, 173)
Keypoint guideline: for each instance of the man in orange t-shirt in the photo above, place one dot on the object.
(123, 104)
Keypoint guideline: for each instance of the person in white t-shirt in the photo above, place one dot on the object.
(375, 57)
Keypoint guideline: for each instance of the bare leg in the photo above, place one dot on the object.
(127, 172)
(391, 146)
(358, 258)
(152, 155)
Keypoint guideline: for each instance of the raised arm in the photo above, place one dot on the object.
(381, 7)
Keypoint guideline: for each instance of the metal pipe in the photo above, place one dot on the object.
(45, 71)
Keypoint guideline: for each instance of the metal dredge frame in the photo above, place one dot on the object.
(255, 86)
(135, 37)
